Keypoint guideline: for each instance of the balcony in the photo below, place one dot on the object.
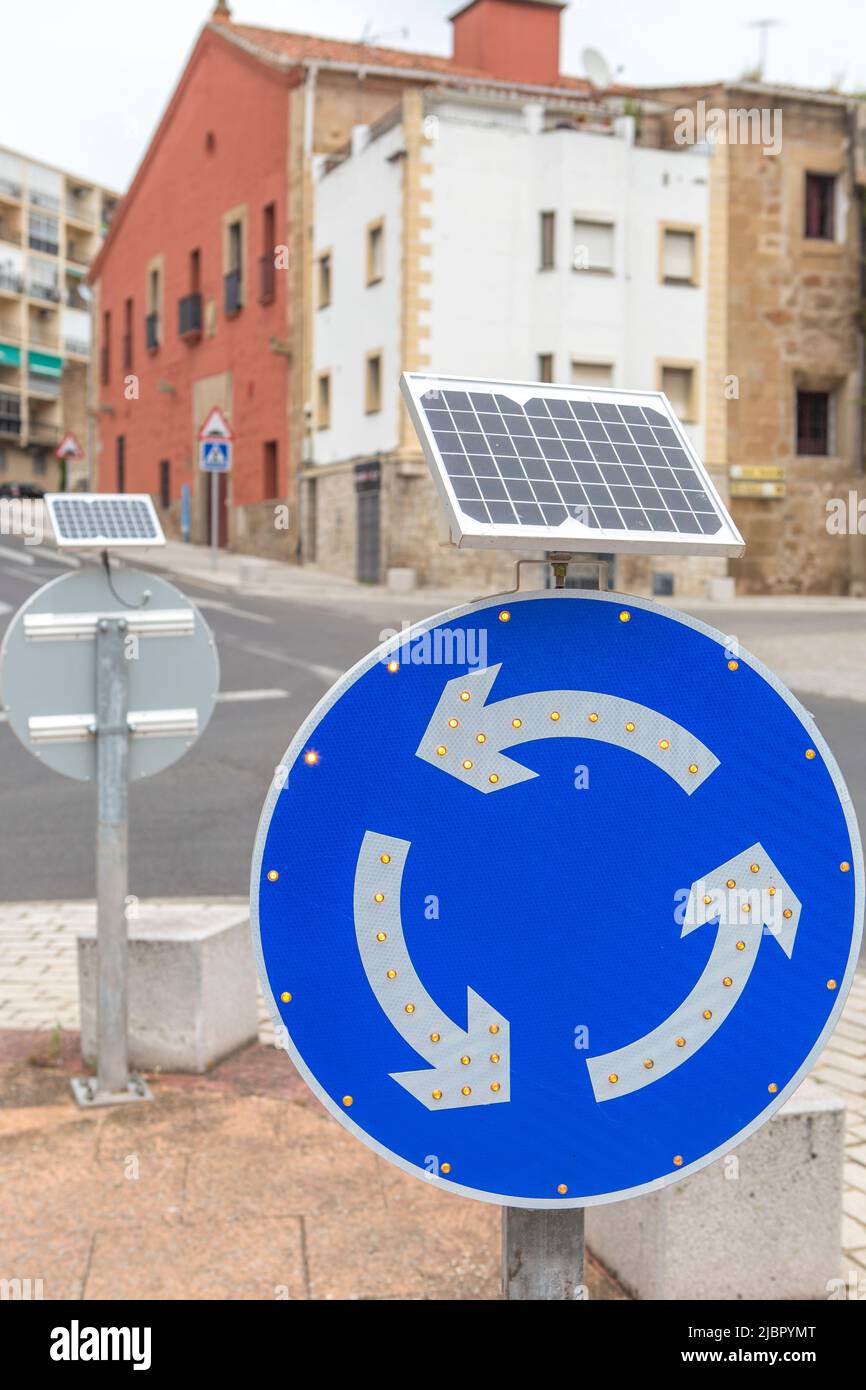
(10, 234)
(189, 317)
(37, 290)
(10, 281)
(39, 433)
(77, 347)
(40, 199)
(151, 332)
(232, 293)
(267, 280)
(79, 212)
(74, 253)
(10, 189)
(48, 386)
(38, 243)
(10, 415)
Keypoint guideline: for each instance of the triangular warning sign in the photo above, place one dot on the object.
(69, 447)
(216, 426)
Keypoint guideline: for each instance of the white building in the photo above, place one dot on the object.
(521, 242)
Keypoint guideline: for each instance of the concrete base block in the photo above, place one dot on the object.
(401, 581)
(764, 1222)
(252, 572)
(192, 986)
(721, 590)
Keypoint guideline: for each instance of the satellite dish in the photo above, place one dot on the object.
(596, 68)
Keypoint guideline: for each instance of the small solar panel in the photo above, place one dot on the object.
(566, 468)
(103, 519)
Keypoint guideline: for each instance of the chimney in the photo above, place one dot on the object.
(514, 40)
(221, 11)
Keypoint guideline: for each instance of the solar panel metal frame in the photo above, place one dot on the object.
(468, 532)
(101, 541)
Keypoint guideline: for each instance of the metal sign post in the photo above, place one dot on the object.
(146, 653)
(216, 442)
(112, 784)
(543, 1254)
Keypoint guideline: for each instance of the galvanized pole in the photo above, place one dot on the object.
(214, 519)
(112, 776)
(114, 1083)
(543, 1254)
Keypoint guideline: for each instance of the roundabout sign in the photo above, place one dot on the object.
(563, 921)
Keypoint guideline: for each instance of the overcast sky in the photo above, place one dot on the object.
(84, 81)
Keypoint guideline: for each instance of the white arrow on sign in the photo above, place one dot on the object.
(468, 1066)
(746, 894)
(466, 735)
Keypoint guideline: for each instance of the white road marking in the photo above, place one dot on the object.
(231, 697)
(21, 557)
(324, 673)
(219, 607)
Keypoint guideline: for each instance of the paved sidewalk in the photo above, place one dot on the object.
(39, 991)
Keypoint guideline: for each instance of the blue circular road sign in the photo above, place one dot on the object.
(557, 897)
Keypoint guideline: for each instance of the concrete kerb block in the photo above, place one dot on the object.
(192, 987)
(401, 581)
(763, 1222)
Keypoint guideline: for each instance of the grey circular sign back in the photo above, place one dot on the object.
(57, 676)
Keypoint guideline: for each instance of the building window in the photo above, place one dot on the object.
(593, 245)
(270, 475)
(4, 465)
(233, 280)
(40, 466)
(820, 206)
(678, 255)
(545, 366)
(813, 422)
(323, 401)
(154, 297)
(189, 308)
(43, 233)
(120, 458)
(323, 281)
(548, 241)
(375, 252)
(679, 385)
(373, 383)
(165, 482)
(128, 309)
(267, 262)
(105, 349)
(591, 373)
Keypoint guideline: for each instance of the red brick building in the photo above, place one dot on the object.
(203, 289)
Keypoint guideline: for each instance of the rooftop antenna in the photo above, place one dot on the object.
(763, 25)
(368, 37)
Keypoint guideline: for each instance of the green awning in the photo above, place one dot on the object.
(10, 356)
(44, 364)
(79, 271)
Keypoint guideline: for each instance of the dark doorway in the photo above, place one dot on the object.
(368, 485)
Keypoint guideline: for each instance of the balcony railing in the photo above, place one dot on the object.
(10, 234)
(151, 332)
(44, 200)
(44, 434)
(38, 243)
(36, 290)
(42, 334)
(10, 333)
(44, 386)
(233, 293)
(78, 346)
(10, 281)
(10, 415)
(267, 280)
(10, 189)
(189, 316)
(80, 213)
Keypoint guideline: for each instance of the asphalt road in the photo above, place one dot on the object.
(192, 827)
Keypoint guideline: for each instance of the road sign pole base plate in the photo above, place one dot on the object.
(90, 1096)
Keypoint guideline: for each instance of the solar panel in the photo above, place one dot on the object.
(566, 468)
(103, 519)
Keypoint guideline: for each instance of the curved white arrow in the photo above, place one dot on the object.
(746, 894)
(468, 1066)
(466, 734)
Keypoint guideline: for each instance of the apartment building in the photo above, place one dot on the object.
(51, 226)
(205, 288)
(502, 238)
